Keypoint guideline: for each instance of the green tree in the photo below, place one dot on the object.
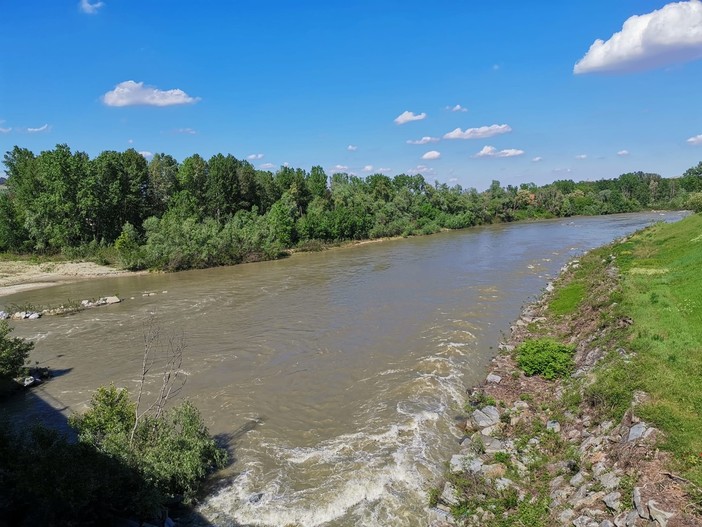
(163, 182)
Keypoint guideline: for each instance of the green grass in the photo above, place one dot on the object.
(662, 294)
(567, 299)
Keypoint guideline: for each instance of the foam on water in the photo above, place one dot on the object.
(378, 475)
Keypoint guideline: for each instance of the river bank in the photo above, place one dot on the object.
(24, 275)
(591, 449)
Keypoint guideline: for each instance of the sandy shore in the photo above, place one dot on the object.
(16, 276)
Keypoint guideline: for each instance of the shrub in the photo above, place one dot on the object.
(545, 357)
(13, 353)
(694, 201)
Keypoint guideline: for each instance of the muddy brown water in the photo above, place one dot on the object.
(337, 377)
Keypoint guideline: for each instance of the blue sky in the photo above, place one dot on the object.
(356, 86)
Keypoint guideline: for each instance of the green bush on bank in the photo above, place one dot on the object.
(545, 357)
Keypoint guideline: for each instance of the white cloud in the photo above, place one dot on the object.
(352, 148)
(368, 168)
(423, 141)
(491, 151)
(421, 169)
(254, 156)
(37, 130)
(286, 164)
(188, 131)
(479, 133)
(623, 153)
(382, 170)
(5, 130)
(432, 154)
(266, 166)
(537, 159)
(131, 93)
(340, 168)
(147, 154)
(130, 141)
(695, 140)
(581, 156)
(88, 8)
(495, 67)
(457, 108)
(406, 117)
(669, 35)
(561, 171)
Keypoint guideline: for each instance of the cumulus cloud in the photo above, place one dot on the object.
(91, 9)
(457, 108)
(423, 141)
(581, 156)
(432, 154)
(669, 35)
(37, 130)
(131, 93)
(146, 154)
(340, 168)
(406, 117)
(491, 151)
(623, 153)
(695, 140)
(187, 131)
(479, 133)
(5, 130)
(537, 159)
(352, 148)
(382, 170)
(266, 166)
(368, 168)
(254, 156)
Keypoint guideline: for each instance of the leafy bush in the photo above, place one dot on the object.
(13, 353)
(173, 451)
(694, 201)
(545, 357)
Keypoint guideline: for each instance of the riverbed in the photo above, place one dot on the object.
(337, 378)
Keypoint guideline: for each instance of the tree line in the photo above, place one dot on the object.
(164, 214)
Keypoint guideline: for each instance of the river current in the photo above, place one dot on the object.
(337, 378)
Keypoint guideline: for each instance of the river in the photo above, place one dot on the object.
(336, 377)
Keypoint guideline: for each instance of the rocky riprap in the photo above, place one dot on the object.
(526, 443)
(60, 310)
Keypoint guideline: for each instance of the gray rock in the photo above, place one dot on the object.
(631, 519)
(493, 378)
(659, 515)
(641, 509)
(112, 300)
(566, 515)
(34, 316)
(458, 463)
(488, 416)
(553, 426)
(475, 465)
(584, 521)
(609, 480)
(493, 445)
(588, 500)
(503, 483)
(578, 479)
(636, 431)
(612, 500)
(4, 315)
(448, 495)
(606, 523)
(521, 405)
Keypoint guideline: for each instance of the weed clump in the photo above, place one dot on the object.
(546, 357)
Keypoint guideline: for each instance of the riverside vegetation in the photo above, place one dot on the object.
(161, 214)
(131, 458)
(591, 415)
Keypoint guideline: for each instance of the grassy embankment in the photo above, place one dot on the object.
(633, 309)
(661, 295)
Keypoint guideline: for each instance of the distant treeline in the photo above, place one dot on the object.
(199, 213)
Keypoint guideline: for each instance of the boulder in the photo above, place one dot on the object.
(487, 416)
(641, 509)
(493, 378)
(659, 515)
(112, 300)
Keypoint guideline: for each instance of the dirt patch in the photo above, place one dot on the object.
(16, 276)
